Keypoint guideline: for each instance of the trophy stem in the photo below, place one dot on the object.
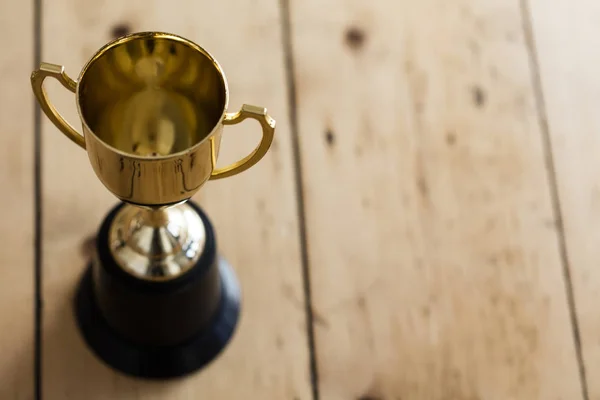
(157, 244)
(155, 217)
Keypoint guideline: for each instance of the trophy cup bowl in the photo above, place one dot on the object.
(158, 301)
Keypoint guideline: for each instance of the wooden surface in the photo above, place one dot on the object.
(441, 277)
(17, 254)
(434, 177)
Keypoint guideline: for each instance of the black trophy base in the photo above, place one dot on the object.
(152, 361)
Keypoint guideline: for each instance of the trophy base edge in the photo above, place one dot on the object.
(159, 362)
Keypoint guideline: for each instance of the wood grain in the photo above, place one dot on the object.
(432, 243)
(566, 35)
(254, 214)
(17, 204)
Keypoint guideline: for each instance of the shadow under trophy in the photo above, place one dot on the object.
(158, 301)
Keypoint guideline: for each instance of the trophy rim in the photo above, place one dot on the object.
(152, 34)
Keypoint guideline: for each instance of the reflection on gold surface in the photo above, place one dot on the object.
(152, 97)
(152, 122)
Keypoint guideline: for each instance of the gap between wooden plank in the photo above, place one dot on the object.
(553, 185)
(37, 178)
(299, 182)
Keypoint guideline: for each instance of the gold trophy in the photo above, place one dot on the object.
(158, 301)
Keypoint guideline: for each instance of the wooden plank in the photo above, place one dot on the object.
(17, 211)
(566, 34)
(433, 251)
(254, 214)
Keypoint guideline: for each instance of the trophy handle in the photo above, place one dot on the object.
(268, 128)
(37, 81)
